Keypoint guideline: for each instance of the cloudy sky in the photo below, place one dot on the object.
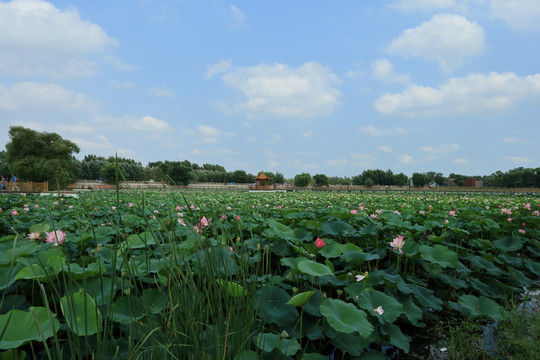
(333, 87)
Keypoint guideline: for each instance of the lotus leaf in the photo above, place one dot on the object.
(20, 327)
(81, 313)
(345, 317)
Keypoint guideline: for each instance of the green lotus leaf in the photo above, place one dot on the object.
(358, 257)
(19, 327)
(314, 268)
(127, 309)
(479, 263)
(480, 306)
(397, 338)
(40, 228)
(426, 297)
(508, 244)
(142, 240)
(372, 299)
(439, 254)
(271, 305)
(247, 355)
(268, 342)
(345, 317)
(232, 288)
(301, 298)
(372, 355)
(81, 313)
(336, 228)
(331, 249)
(313, 357)
(277, 230)
(519, 277)
(154, 300)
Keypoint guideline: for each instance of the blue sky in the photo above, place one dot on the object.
(332, 87)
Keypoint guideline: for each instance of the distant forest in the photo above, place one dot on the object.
(184, 172)
(41, 156)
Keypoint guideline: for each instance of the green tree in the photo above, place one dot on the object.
(419, 179)
(302, 180)
(4, 168)
(91, 167)
(321, 180)
(401, 179)
(368, 183)
(358, 180)
(279, 178)
(42, 156)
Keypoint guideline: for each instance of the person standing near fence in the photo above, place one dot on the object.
(14, 181)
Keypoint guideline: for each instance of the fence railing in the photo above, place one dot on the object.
(25, 186)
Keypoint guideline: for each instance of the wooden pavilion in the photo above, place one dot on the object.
(261, 181)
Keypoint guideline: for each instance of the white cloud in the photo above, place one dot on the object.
(385, 149)
(406, 159)
(121, 85)
(278, 90)
(162, 92)
(36, 38)
(210, 135)
(518, 14)
(441, 148)
(239, 18)
(513, 140)
(384, 70)
(307, 134)
(408, 5)
(148, 124)
(363, 157)
(518, 159)
(219, 68)
(473, 93)
(273, 163)
(445, 38)
(375, 132)
(460, 161)
(77, 128)
(120, 64)
(36, 97)
(337, 162)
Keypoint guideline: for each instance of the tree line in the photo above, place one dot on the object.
(41, 156)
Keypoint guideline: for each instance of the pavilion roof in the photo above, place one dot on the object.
(262, 176)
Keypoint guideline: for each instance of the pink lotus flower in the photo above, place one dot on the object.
(452, 213)
(181, 222)
(204, 222)
(522, 231)
(379, 310)
(14, 213)
(360, 277)
(34, 236)
(354, 212)
(397, 243)
(527, 206)
(319, 243)
(55, 237)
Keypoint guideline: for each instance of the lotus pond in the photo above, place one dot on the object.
(237, 275)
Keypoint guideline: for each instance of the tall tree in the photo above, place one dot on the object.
(302, 179)
(42, 156)
(91, 167)
(321, 180)
(4, 168)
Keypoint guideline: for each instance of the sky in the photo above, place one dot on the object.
(324, 87)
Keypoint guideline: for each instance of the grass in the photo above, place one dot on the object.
(516, 337)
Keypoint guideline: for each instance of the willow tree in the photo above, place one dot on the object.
(42, 156)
